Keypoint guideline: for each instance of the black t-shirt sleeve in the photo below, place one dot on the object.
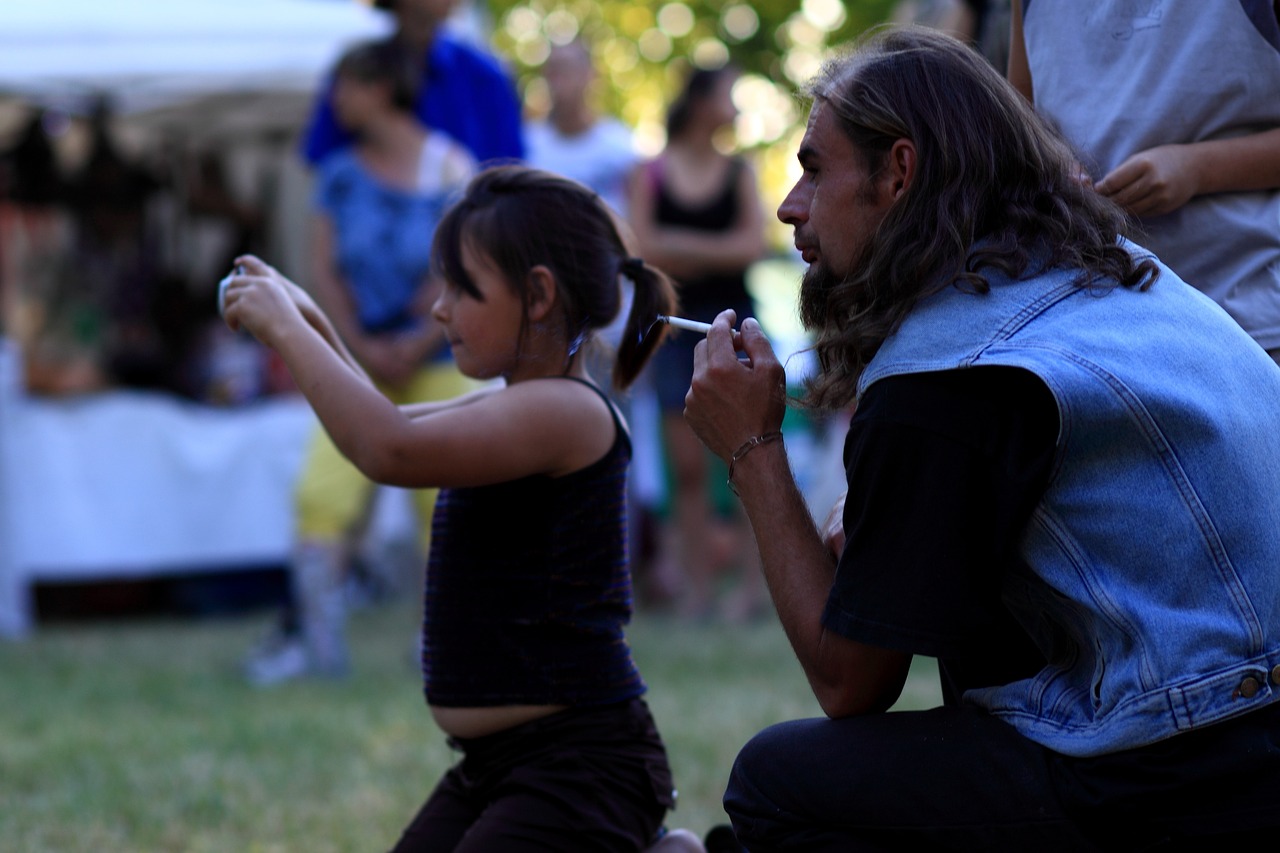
(944, 470)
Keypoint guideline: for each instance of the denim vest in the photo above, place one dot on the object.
(1150, 570)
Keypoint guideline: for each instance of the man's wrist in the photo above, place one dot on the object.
(745, 448)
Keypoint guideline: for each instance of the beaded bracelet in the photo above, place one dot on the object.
(747, 446)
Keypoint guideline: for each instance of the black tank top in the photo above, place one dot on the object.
(528, 589)
(713, 291)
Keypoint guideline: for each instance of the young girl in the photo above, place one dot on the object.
(524, 659)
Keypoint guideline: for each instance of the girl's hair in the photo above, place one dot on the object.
(519, 218)
(698, 86)
(384, 61)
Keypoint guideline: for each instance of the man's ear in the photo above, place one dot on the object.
(902, 167)
(541, 295)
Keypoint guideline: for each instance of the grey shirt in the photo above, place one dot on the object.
(1119, 77)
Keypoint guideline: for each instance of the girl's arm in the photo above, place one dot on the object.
(307, 307)
(539, 427)
(420, 410)
(536, 427)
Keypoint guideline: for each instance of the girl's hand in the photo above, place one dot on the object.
(253, 265)
(261, 301)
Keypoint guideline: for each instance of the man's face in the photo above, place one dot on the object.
(568, 72)
(836, 206)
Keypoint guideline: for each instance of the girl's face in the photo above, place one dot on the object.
(356, 101)
(484, 333)
(719, 106)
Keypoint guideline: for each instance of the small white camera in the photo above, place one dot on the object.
(222, 290)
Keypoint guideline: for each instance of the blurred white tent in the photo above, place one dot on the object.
(234, 77)
(203, 65)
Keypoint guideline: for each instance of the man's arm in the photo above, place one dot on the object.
(729, 402)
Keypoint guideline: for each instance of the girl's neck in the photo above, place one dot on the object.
(547, 362)
(392, 147)
(696, 145)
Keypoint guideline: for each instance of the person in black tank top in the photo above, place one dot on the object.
(528, 591)
(696, 213)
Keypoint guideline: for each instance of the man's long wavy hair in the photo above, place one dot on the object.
(994, 187)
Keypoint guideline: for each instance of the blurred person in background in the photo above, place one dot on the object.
(453, 79)
(599, 151)
(1185, 142)
(377, 206)
(574, 139)
(696, 214)
(35, 242)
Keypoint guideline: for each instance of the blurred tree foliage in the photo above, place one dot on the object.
(644, 48)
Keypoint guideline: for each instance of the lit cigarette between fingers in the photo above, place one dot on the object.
(689, 325)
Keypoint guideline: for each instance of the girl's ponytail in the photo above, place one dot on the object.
(654, 295)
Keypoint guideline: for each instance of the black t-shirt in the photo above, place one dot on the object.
(944, 470)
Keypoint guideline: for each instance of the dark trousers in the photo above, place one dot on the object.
(958, 779)
(583, 779)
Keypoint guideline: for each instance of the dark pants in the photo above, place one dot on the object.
(959, 779)
(583, 779)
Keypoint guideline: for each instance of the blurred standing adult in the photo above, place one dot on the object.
(453, 79)
(574, 139)
(377, 206)
(1186, 142)
(696, 214)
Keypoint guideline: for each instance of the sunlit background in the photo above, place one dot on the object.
(644, 49)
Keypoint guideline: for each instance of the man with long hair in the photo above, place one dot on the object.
(1063, 483)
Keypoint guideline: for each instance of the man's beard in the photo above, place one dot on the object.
(820, 283)
(815, 290)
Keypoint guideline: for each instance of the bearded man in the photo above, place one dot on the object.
(1063, 483)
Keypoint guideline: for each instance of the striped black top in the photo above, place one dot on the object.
(528, 589)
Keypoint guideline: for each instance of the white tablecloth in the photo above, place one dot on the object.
(129, 484)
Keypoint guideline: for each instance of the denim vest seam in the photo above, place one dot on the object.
(1105, 606)
(1167, 456)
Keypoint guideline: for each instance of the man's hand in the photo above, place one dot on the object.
(731, 399)
(1158, 180)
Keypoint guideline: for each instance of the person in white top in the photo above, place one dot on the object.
(574, 139)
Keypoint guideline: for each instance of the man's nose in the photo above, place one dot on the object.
(795, 207)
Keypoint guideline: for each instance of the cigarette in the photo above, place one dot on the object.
(688, 325)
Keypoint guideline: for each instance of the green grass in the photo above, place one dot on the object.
(141, 736)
